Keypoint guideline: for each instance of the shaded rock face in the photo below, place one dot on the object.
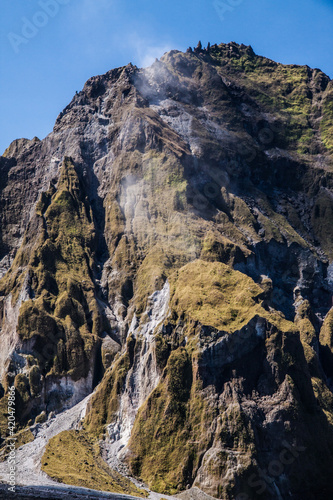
(170, 243)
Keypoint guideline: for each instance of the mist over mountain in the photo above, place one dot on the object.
(166, 282)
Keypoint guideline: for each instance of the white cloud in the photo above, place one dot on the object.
(147, 55)
(146, 52)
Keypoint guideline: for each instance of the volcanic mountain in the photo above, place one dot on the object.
(166, 268)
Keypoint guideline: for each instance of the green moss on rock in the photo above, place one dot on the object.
(71, 457)
(213, 294)
(64, 307)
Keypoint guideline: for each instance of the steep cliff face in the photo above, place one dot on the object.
(169, 245)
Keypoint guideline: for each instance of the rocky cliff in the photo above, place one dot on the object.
(169, 247)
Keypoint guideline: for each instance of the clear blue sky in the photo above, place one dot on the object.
(42, 67)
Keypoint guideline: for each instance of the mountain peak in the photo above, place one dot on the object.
(170, 279)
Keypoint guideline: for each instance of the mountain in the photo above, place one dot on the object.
(166, 268)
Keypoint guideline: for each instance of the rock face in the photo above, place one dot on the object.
(169, 245)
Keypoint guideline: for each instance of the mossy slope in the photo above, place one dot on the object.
(72, 458)
(207, 414)
(60, 323)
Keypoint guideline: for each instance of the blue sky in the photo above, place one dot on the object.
(49, 48)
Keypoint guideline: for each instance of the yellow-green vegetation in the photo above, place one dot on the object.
(276, 225)
(307, 333)
(214, 294)
(324, 397)
(326, 332)
(22, 398)
(292, 97)
(326, 124)
(152, 273)
(150, 230)
(71, 457)
(64, 311)
(21, 438)
(164, 449)
(241, 214)
(216, 247)
(206, 293)
(41, 418)
(172, 429)
(55, 262)
(322, 217)
(170, 435)
(104, 402)
(3, 415)
(289, 91)
(148, 201)
(303, 322)
(242, 224)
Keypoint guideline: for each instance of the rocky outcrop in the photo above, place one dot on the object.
(174, 254)
(234, 410)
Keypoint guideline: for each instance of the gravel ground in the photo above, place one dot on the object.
(29, 456)
(32, 482)
(59, 492)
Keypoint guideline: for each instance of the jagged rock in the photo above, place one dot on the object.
(198, 48)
